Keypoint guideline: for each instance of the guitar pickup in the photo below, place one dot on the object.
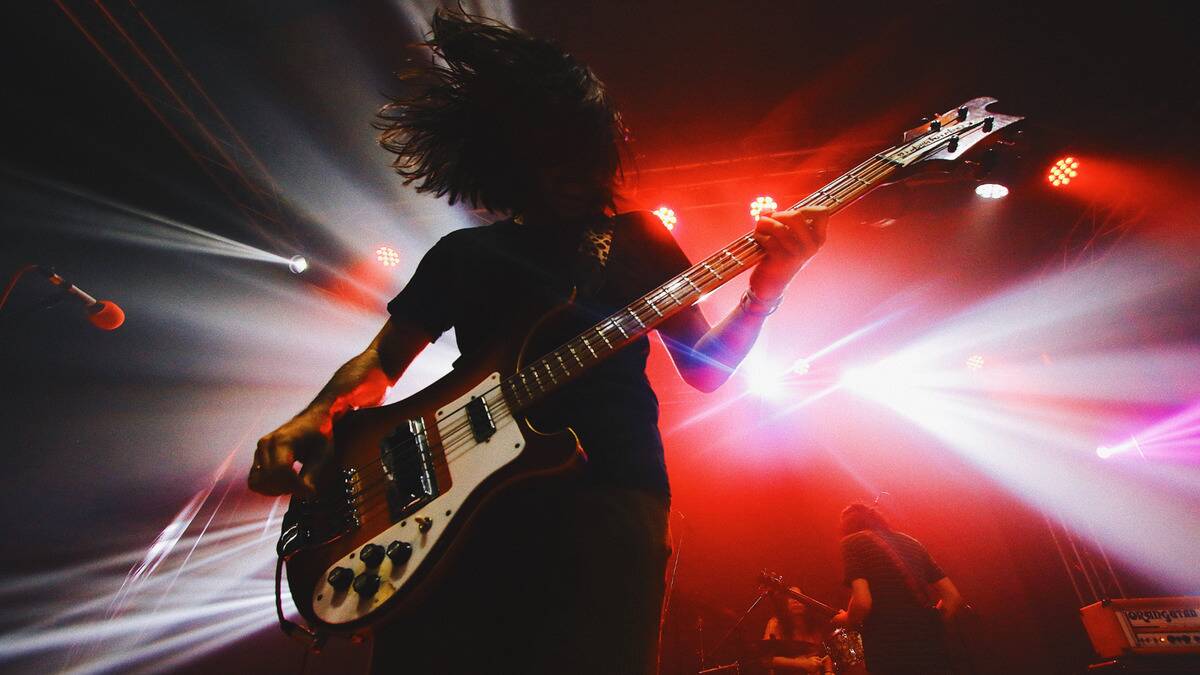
(479, 416)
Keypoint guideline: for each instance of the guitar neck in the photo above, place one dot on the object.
(536, 380)
(811, 602)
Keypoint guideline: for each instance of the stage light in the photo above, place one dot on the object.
(764, 376)
(975, 362)
(298, 264)
(801, 367)
(991, 191)
(667, 216)
(387, 256)
(1063, 171)
(761, 205)
(1104, 451)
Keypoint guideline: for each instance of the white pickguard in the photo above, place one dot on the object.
(470, 465)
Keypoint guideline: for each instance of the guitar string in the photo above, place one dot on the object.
(453, 436)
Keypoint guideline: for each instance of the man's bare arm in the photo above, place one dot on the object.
(307, 438)
(706, 356)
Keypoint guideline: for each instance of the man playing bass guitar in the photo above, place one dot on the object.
(567, 577)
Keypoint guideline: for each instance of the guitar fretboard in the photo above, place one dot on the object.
(534, 381)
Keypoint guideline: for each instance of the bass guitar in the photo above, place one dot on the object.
(410, 477)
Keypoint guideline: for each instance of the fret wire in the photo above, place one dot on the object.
(576, 355)
(875, 171)
(613, 321)
(601, 334)
(562, 364)
(667, 290)
(635, 318)
(651, 303)
(525, 382)
(549, 371)
(589, 346)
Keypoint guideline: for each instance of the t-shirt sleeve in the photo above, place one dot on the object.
(425, 301)
(855, 558)
(659, 254)
(930, 570)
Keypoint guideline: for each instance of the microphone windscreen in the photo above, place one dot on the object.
(106, 315)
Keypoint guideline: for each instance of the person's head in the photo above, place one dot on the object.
(505, 121)
(858, 517)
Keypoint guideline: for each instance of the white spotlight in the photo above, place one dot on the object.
(991, 191)
(298, 264)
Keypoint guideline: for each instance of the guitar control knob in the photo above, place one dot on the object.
(371, 555)
(340, 578)
(366, 584)
(424, 524)
(399, 552)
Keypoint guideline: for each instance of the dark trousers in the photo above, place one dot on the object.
(562, 578)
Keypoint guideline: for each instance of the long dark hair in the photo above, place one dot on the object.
(858, 517)
(810, 622)
(494, 111)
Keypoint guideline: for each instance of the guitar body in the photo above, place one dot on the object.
(411, 477)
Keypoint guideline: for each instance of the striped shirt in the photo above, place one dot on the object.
(902, 630)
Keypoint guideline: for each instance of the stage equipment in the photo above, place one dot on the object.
(411, 476)
(387, 256)
(991, 191)
(1142, 626)
(667, 215)
(1063, 171)
(762, 205)
(104, 314)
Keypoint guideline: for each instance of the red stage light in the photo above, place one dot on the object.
(387, 256)
(1063, 171)
(667, 216)
(763, 204)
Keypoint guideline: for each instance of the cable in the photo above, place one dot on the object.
(13, 282)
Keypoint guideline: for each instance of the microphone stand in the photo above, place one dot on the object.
(762, 594)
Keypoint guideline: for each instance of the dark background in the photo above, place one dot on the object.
(108, 435)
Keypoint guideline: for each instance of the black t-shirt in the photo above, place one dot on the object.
(902, 628)
(477, 280)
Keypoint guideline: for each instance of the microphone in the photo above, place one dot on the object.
(104, 314)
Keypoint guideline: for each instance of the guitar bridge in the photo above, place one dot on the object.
(408, 464)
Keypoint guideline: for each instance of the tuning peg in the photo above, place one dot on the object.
(989, 123)
(935, 125)
(952, 146)
(962, 113)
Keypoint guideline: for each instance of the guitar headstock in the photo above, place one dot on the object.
(950, 135)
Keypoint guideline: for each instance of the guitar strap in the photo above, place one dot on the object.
(918, 590)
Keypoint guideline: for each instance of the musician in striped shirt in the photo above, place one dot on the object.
(899, 596)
